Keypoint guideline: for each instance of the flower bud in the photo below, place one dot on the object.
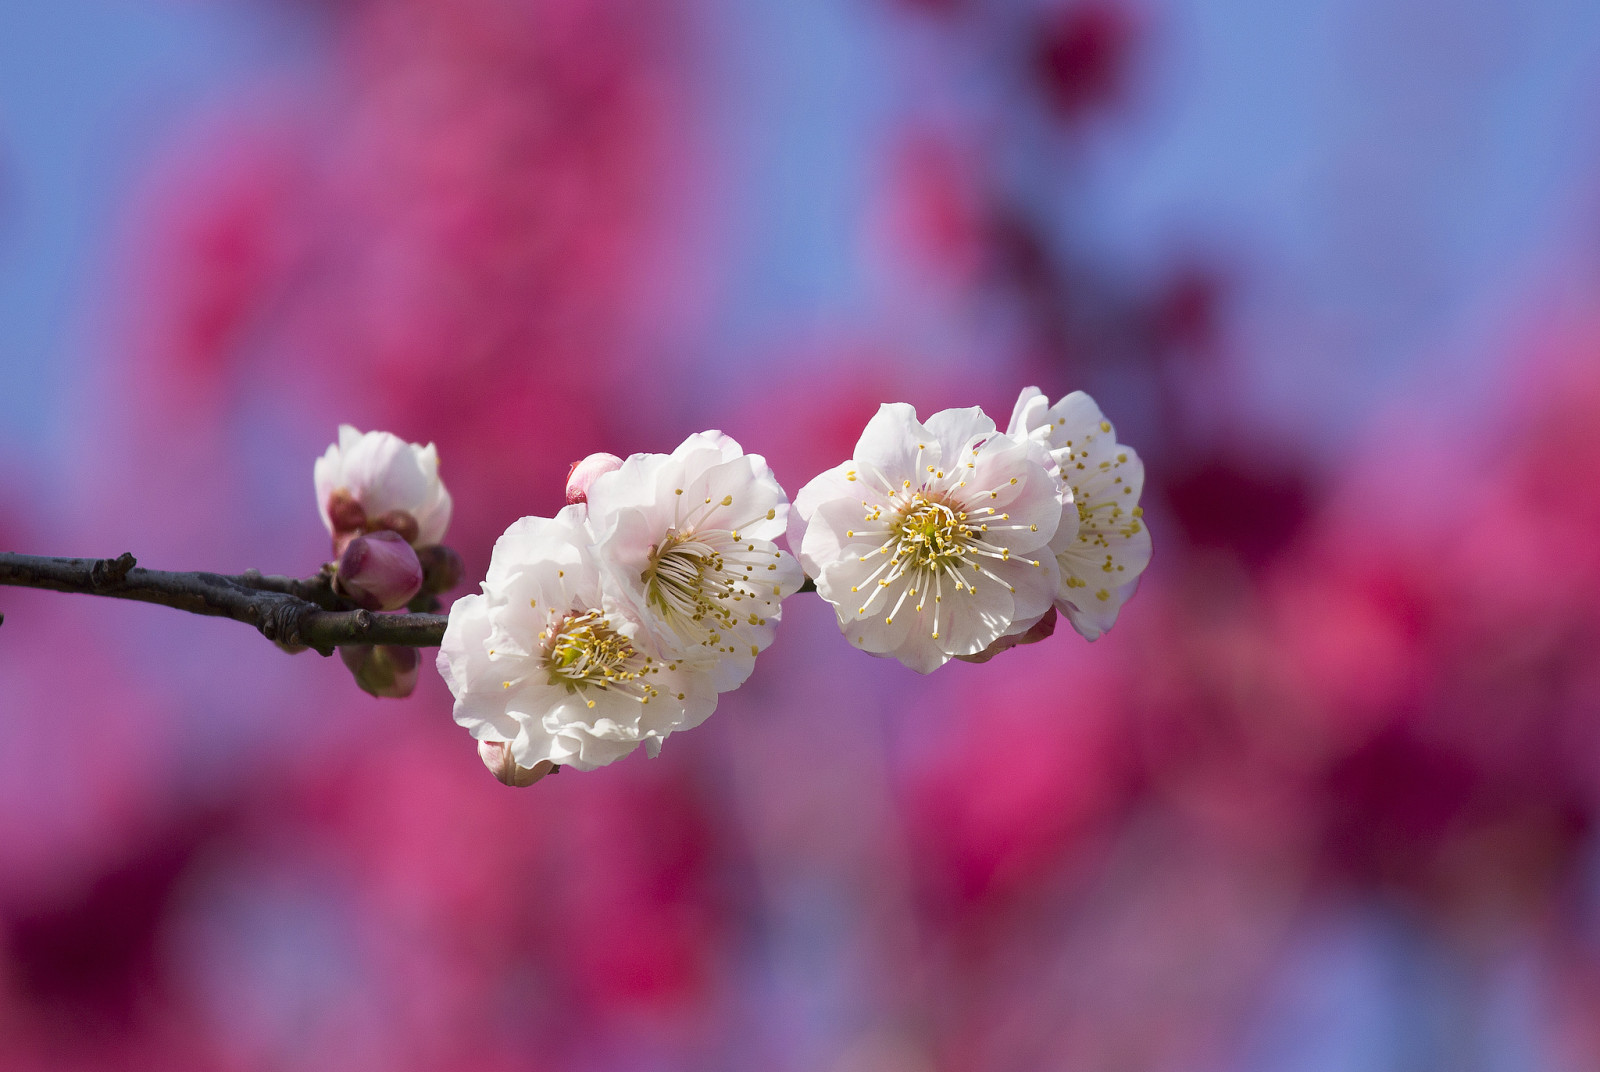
(396, 521)
(379, 571)
(382, 669)
(1040, 630)
(441, 568)
(382, 474)
(496, 755)
(345, 513)
(586, 472)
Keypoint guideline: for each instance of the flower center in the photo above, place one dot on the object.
(931, 535)
(695, 584)
(928, 544)
(681, 571)
(584, 651)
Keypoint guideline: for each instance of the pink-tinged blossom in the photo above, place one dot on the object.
(496, 755)
(1100, 567)
(687, 541)
(586, 472)
(933, 540)
(545, 663)
(378, 480)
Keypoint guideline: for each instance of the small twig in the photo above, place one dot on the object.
(287, 610)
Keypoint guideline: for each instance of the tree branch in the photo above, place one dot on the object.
(285, 609)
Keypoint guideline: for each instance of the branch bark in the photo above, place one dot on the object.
(288, 610)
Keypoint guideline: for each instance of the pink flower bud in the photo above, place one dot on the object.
(496, 755)
(585, 473)
(379, 571)
(381, 669)
(441, 568)
(1040, 630)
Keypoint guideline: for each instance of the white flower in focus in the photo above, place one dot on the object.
(933, 540)
(686, 541)
(366, 478)
(1100, 567)
(541, 662)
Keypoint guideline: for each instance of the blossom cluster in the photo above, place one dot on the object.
(620, 620)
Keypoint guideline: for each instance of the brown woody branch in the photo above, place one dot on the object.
(287, 610)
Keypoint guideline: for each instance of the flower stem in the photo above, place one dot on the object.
(287, 610)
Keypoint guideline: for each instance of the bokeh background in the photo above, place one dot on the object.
(1325, 799)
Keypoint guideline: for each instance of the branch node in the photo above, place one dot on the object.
(110, 572)
(280, 621)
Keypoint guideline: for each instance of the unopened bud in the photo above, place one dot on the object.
(585, 473)
(345, 513)
(398, 522)
(1040, 630)
(441, 568)
(379, 571)
(383, 670)
(496, 755)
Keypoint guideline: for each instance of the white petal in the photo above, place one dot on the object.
(956, 430)
(842, 483)
(327, 477)
(893, 442)
(1029, 412)
(976, 616)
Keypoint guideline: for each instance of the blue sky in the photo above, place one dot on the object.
(1390, 177)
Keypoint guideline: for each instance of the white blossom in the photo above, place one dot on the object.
(543, 662)
(1100, 567)
(382, 474)
(687, 544)
(933, 541)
